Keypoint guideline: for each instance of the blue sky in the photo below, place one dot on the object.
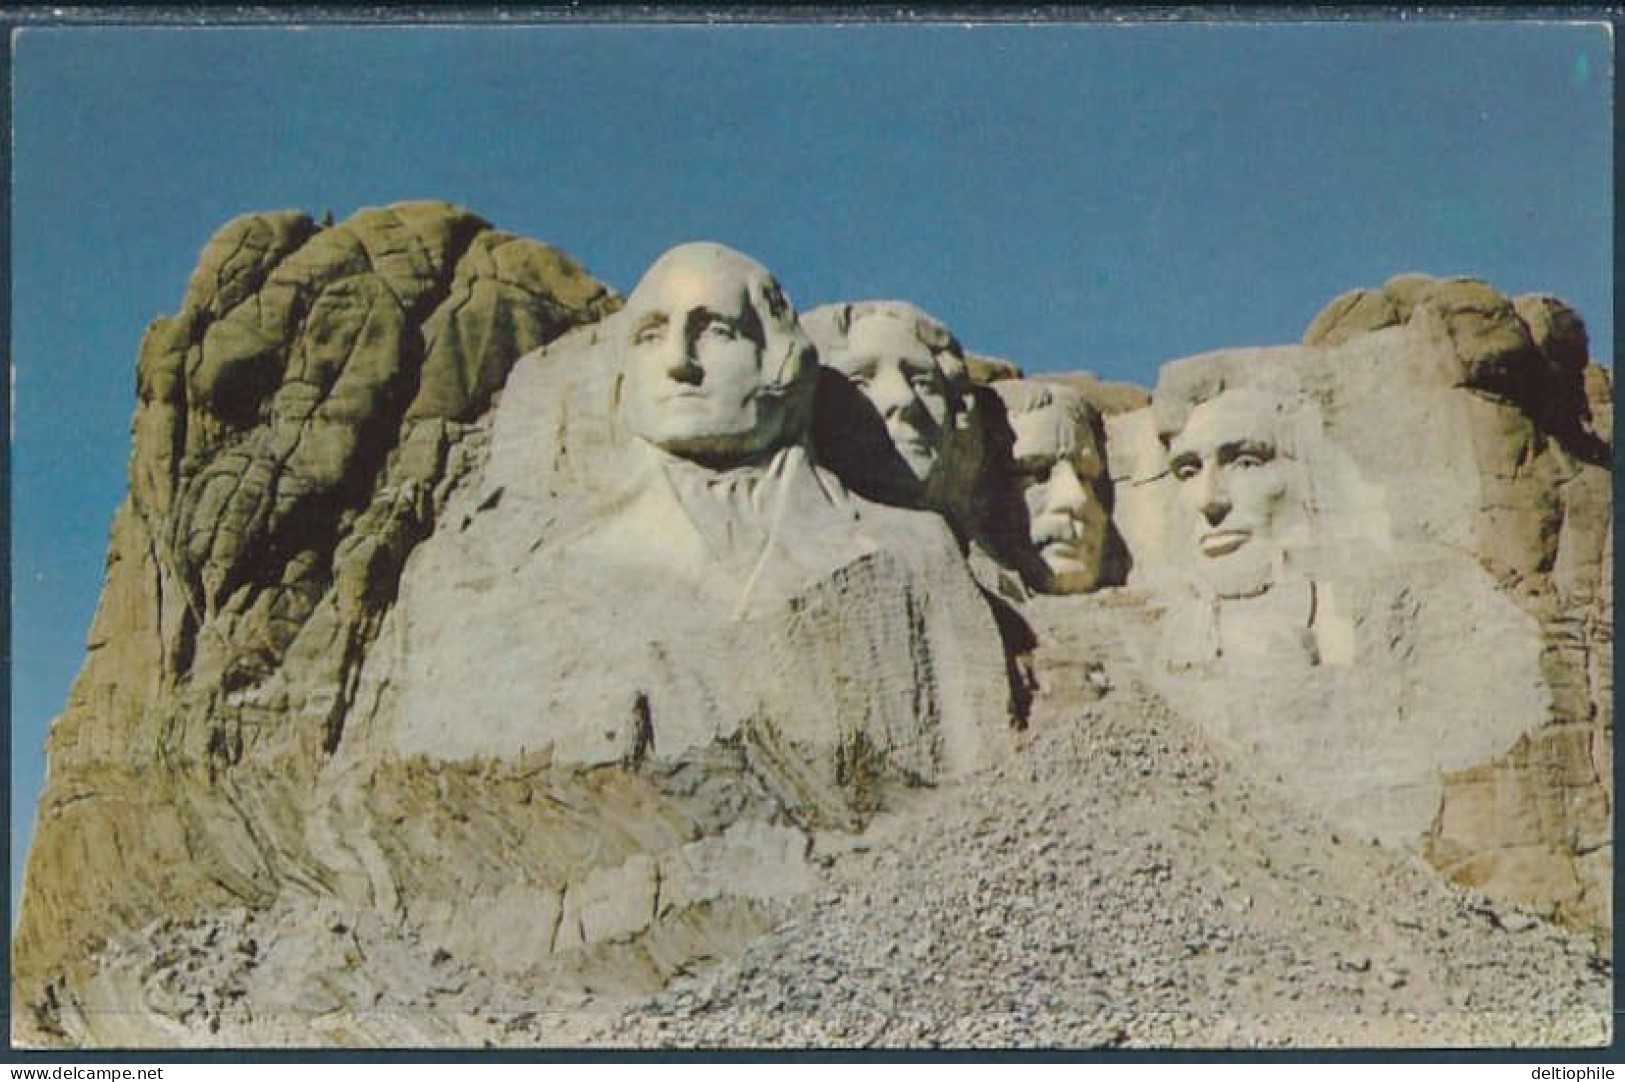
(1088, 196)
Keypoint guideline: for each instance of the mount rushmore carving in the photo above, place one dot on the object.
(552, 631)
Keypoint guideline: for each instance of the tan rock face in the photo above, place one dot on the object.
(983, 369)
(460, 695)
(1107, 397)
(1427, 478)
(469, 640)
(302, 361)
(300, 423)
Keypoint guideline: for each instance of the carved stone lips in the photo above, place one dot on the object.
(1060, 550)
(909, 439)
(1062, 532)
(1224, 542)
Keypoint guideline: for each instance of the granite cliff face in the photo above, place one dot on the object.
(300, 424)
(476, 652)
(1536, 822)
(1428, 650)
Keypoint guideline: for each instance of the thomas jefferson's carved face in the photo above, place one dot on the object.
(1058, 468)
(694, 346)
(1232, 479)
(900, 376)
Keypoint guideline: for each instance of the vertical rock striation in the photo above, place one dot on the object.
(300, 423)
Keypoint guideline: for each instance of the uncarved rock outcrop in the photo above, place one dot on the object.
(300, 423)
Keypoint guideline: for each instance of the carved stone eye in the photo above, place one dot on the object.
(1034, 473)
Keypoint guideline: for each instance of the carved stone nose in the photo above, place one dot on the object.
(1214, 508)
(683, 368)
(1211, 498)
(1067, 491)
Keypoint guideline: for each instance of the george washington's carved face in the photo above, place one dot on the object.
(694, 346)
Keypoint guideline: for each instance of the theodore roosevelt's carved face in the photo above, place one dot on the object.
(695, 346)
(1058, 468)
(1232, 479)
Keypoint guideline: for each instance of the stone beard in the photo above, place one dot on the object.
(1057, 465)
(1234, 489)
